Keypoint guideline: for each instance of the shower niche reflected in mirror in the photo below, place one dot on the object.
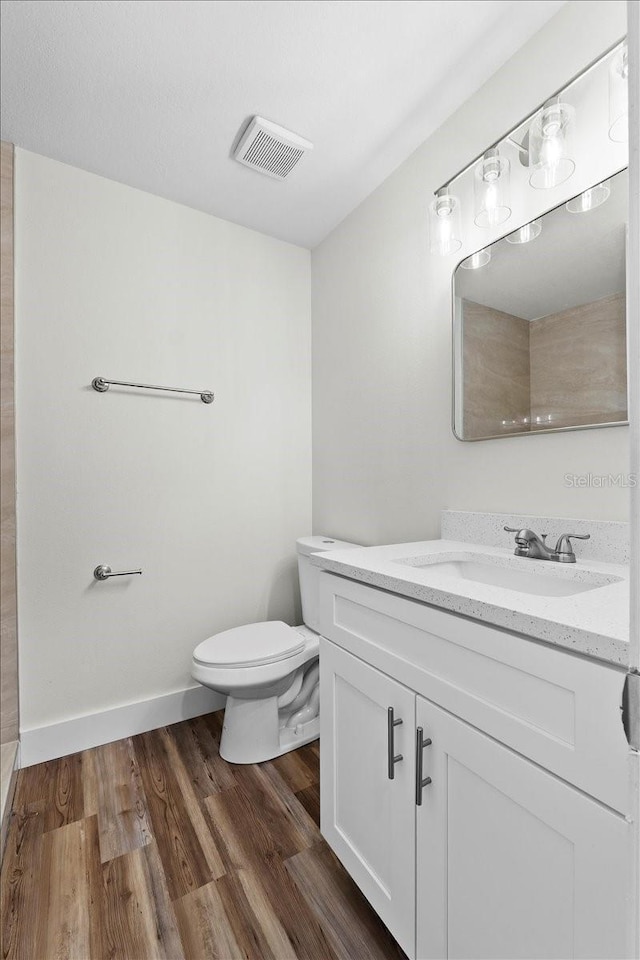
(539, 323)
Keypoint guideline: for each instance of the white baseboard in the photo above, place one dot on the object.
(93, 729)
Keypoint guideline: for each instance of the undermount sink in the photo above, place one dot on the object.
(555, 583)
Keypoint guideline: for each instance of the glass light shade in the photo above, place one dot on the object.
(491, 187)
(477, 260)
(590, 199)
(444, 224)
(526, 233)
(619, 97)
(550, 145)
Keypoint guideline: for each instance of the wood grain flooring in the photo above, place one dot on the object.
(154, 847)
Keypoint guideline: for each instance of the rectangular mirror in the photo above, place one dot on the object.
(539, 323)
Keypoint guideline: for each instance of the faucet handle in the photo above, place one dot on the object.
(564, 546)
(543, 536)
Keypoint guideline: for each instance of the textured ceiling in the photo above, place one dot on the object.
(154, 93)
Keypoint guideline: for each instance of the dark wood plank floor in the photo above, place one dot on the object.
(155, 847)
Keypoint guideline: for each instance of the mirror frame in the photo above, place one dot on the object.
(457, 373)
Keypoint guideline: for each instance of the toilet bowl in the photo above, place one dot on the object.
(269, 673)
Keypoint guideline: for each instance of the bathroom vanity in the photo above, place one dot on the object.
(475, 782)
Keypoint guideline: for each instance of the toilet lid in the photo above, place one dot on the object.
(251, 645)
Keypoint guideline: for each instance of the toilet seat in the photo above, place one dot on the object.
(253, 645)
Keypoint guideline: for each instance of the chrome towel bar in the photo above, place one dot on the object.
(104, 571)
(102, 385)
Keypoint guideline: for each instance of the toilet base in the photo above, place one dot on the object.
(308, 732)
(251, 732)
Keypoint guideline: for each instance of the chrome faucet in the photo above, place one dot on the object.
(529, 544)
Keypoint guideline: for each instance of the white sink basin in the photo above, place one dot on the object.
(557, 582)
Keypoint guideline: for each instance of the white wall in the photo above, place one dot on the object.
(208, 500)
(385, 459)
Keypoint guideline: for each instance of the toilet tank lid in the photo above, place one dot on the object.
(309, 545)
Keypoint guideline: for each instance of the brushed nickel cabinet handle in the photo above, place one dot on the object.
(421, 743)
(392, 757)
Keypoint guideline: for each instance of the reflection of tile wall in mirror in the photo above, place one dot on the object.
(579, 365)
(496, 371)
(546, 318)
(564, 370)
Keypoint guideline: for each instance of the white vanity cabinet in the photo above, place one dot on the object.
(367, 817)
(501, 858)
(511, 861)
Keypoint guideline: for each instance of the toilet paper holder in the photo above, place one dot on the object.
(103, 571)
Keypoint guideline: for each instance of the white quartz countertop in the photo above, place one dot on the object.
(594, 622)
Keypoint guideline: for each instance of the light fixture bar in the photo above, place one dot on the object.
(508, 136)
(515, 143)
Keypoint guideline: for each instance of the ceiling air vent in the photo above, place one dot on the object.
(271, 149)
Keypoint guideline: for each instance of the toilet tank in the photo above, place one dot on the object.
(310, 574)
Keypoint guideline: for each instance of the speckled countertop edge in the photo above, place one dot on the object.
(594, 623)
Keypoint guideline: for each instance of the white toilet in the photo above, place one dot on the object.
(269, 672)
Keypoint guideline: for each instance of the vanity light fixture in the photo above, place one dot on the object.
(491, 186)
(526, 233)
(544, 140)
(550, 141)
(590, 199)
(619, 97)
(444, 223)
(477, 260)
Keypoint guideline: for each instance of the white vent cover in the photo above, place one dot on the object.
(269, 148)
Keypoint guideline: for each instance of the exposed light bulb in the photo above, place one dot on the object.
(551, 151)
(550, 157)
(491, 185)
(444, 223)
(491, 201)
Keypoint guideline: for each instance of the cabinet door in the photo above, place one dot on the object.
(367, 818)
(511, 861)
